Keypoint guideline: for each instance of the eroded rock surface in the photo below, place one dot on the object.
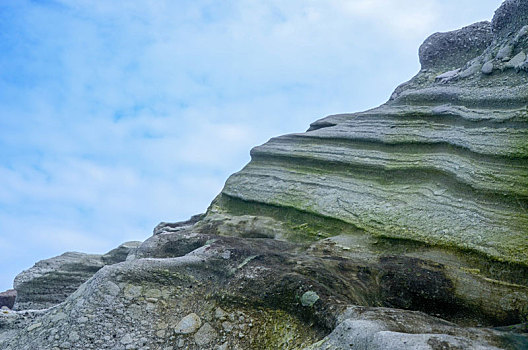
(50, 281)
(7, 298)
(245, 293)
(444, 163)
(402, 227)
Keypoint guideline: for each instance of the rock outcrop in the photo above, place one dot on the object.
(441, 168)
(50, 281)
(7, 298)
(444, 162)
(402, 227)
(200, 291)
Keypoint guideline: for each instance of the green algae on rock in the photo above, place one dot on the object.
(439, 172)
(444, 161)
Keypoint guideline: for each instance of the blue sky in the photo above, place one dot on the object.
(117, 115)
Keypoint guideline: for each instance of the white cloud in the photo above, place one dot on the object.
(61, 239)
(401, 18)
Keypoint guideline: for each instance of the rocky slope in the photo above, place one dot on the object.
(50, 281)
(402, 227)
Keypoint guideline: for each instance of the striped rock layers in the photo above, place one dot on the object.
(442, 165)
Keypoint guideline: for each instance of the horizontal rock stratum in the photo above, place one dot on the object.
(402, 227)
(50, 281)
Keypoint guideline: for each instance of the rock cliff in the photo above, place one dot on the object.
(401, 227)
(444, 162)
(441, 168)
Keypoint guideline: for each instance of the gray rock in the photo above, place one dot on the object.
(120, 253)
(372, 335)
(189, 324)
(523, 32)
(439, 165)
(51, 281)
(511, 16)
(127, 339)
(516, 61)
(505, 52)
(261, 298)
(7, 298)
(205, 335)
(447, 76)
(220, 314)
(224, 346)
(487, 68)
(167, 227)
(472, 68)
(453, 49)
(402, 227)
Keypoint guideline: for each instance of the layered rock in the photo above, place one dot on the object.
(51, 281)
(402, 227)
(443, 162)
(443, 165)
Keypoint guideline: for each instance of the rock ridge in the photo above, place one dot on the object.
(51, 281)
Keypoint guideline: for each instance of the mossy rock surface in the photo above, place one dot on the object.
(263, 293)
(443, 162)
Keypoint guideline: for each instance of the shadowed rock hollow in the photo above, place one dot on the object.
(402, 227)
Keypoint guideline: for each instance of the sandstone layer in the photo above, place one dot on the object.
(444, 162)
(442, 166)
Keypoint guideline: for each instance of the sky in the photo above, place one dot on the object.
(117, 115)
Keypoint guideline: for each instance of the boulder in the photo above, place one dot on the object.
(7, 298)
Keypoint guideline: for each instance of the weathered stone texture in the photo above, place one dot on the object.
(7, 298)
(444, 162)
(251, 293)
(50, 281)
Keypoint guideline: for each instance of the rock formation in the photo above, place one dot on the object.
(50, 281)
(441, 169)
(402, 227)
(7, 298)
